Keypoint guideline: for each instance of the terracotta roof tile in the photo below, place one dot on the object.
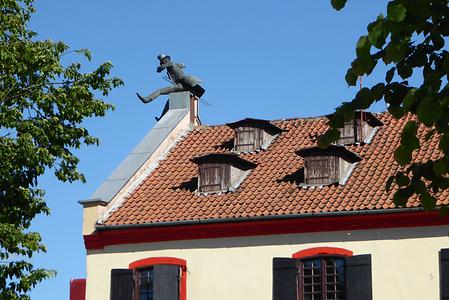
(165, 196)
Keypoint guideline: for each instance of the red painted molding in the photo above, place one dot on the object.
(321, 251)
(78, 289)
(146, 262)
(150, 234)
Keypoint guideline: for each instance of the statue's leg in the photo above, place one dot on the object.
(163, 91)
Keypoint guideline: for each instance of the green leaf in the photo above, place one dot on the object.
(444, 210)
(401, 179)
(378, 91)
(428, 111)
(375, 33)
(428, 201)
(338, 4)
(409, 141)
(419, 186)
(444, 143)
(396, 51)
(410, 100)
(402, 156)
(401, 196)
(441, 166)
(389, 75)
(396, 111)
(328, 138)
(364, 56)
(389, 183)
(396, 12)
(437, 41)
(404, 70)
(364, 98)
(351, 77)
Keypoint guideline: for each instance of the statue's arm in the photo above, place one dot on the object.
(162, 67)
(182, 66)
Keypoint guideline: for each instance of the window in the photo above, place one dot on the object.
(350, 133)
(322, 273)
(248, 138)
(221, 172)
(253, 134)
(327, 166)
(321, 277)
(321, 170)
(214, 177)
(158, 278)
(358, 129)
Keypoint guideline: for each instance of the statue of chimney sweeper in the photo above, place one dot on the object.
(181, 82)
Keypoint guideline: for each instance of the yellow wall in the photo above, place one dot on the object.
(404, 262)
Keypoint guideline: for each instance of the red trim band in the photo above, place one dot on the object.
(321, 251)
(115, 236)
(166, 261)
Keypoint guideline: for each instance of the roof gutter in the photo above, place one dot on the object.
(100, 227)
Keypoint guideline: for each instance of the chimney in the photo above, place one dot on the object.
(179, 116)
(194, 112)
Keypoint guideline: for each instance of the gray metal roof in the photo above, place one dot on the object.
(178, 108)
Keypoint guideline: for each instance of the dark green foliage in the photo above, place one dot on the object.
(411, 40)
(42, 107)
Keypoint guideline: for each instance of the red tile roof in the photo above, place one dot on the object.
(166, 195)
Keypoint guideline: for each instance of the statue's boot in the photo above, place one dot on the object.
(147, 99)
(163, 91)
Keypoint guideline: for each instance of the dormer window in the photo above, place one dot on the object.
(360, 129)
(327, 166)
(248, 138)
(221, 172)
(214, 177)
(253, 134)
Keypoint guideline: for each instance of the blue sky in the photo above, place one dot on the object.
(261, 59)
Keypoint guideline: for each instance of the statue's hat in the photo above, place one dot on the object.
(162, 56)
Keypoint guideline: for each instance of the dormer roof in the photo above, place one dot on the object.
(368, 117)
(332, 150)
(229, 158)
(258, 123)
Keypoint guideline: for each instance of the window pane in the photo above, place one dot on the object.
(312, 279)
(334, 278)
(146, 284)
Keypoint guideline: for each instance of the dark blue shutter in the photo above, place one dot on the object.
(444, 274)
(284, 279)
(166, 282)
(358, 277)
(122, 284)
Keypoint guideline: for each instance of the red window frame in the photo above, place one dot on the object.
(151, 261)
(317, 253)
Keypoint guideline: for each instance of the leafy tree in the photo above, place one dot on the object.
(409, 40)
(43, 104)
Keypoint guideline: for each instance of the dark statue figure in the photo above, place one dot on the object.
(181, 81)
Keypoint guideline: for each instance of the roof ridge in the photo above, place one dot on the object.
(283, 119)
